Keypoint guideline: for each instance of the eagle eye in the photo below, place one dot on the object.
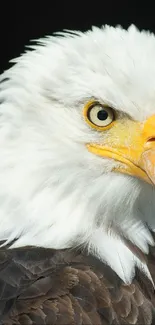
(98, 115)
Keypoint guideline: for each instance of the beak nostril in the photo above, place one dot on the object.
(152, 139)
(150, 143)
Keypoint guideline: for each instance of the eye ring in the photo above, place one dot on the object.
(99, 116)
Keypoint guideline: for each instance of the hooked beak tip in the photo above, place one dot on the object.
(148, 163)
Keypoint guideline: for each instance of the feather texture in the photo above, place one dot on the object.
(55, 193)
(41, 286)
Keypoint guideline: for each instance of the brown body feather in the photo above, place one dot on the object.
(67, 287)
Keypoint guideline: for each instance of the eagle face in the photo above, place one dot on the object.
(77, 145)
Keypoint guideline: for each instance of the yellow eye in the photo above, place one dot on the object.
(98, 116)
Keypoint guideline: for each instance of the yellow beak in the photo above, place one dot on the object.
(133, 145)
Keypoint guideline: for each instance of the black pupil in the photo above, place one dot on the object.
(102, 115)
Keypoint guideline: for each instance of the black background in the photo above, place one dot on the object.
(22, 21)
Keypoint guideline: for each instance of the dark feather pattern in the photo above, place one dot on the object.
(67, 287)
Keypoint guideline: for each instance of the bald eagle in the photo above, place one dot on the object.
(77, 180)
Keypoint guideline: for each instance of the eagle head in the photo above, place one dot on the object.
(77, 145)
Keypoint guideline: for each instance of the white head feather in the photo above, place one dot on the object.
(53, 192)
